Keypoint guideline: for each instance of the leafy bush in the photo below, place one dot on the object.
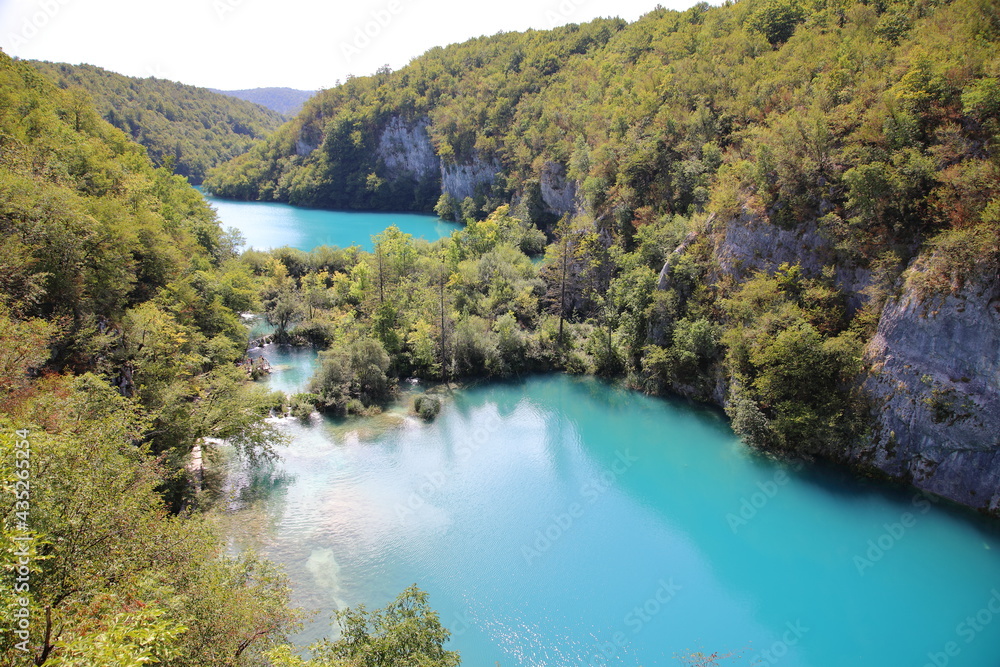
(406, 632)
(303, 405)
(353, 378)
(427, 406)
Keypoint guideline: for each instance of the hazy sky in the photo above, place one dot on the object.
(306, 44)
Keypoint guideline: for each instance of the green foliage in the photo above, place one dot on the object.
(353, 378)
(115, 578)
(776, 19)
(302, 405)
(406, 632)
(427, 406)
(119, 349)
(447, 208)
(981, 99)
(23, 347)
(128, 639)
(186, 129)
(791, 385)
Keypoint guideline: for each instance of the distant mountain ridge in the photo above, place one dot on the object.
(190, 128)
(286, 101)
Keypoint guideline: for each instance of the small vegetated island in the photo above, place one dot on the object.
(790, 209)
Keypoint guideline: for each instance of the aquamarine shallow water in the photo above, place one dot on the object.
(291, 367)
(268, 226)
(562, 521)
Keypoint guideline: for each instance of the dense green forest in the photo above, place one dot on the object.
(872, 126)
(186, 128)
(118, 343)
(118, 347)
(286, 101)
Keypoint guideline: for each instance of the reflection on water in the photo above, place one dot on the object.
(561, 521)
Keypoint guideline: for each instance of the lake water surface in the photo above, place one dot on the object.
(563, 521)
(270, 225)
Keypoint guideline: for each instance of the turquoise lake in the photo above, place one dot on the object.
(268, 226)
(559, 520)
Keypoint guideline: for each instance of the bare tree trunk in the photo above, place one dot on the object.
(47, 639)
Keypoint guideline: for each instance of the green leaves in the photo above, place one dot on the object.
(776, 19)
(791, 386)
(185, 128)
(405, 633)
(355, 372)
(127, 639)
(123, 582)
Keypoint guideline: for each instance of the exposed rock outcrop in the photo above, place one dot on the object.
(663, 282)
(303, 147)
(935, 364)
(747, 244)
(936, 383)
(406, 150)
(558, 191)
(463, 180)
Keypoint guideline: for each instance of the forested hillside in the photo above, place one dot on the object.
(186, 128)
(789, 208)
(742, 192)
(286, 101)
(118, 337)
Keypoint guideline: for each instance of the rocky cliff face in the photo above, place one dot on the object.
(748, 244)
(935, 364)
(936, 387)
(406, 151)
(558, 192)
(463, 180)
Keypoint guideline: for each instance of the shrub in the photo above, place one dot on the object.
(303, 405)
(427, 406)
